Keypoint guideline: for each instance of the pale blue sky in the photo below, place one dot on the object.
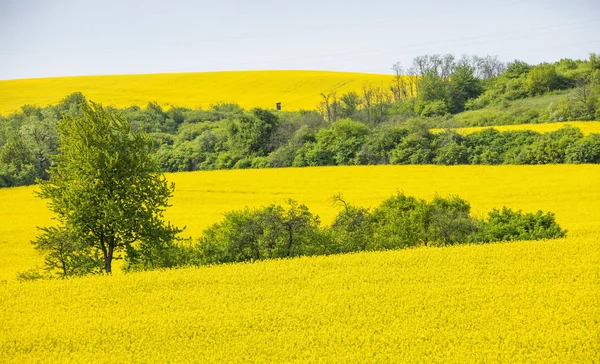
(62, 38)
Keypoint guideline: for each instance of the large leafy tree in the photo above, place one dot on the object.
(107, 191)
(250, 134)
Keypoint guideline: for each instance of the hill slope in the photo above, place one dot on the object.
(512, 302)
(294, 89)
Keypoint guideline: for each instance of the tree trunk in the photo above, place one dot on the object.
(105, 253)
(290, 241)
(108, 260)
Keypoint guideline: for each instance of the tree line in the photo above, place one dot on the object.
(380, 124)
(399, 222)
(276, 231)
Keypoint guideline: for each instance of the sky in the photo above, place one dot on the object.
(43, 38)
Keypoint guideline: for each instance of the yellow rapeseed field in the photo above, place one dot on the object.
(515, 302)
(294, 89)
(586, 127)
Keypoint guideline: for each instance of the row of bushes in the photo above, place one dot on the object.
(398, 222)
(348, 142)
(226, 136)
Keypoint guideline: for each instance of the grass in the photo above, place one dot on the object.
(294, 89)
(517, 302)
(530, 110)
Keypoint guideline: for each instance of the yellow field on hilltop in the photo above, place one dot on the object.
(516, 302)
(294, 89)
(586, 127)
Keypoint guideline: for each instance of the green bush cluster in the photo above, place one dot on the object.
(399, 222)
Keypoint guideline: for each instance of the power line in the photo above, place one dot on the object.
(460, 41)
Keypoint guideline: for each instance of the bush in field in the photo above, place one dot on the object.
(337, 145)
(276, 231)
(267, 232)
(449, 222)
(352, 229)
(552, 147)
(416, 148)
(398, 222)
(249, 134)
(404, 221)
(585, 150)
(506, 225)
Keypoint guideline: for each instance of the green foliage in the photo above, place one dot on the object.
(343, 140)
(65, 254)
(249, 134)
(18, 162)
(398, 222)
(349, 104)
(584, 150)
(382, 140)
(463, 86)
(432, 108)
(544, 78)
(506, 225)
(451, 149)
(267, 232)
(445, 86)
(415, 148)
(551, 147)
(403, 221)
(106, 188)
(338, 144)
(448, 221)
(352, 228)
(403, 109)
(516, 69)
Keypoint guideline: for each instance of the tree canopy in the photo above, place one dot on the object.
(107, 190)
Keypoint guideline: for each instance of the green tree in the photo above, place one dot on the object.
(350, 102)
(509, 225)
(399, 222)
(262, 233)
(18, 162)
(449, 221)
(249, 134)
(516, 69)
(543, 78)
(105, 188)
(463, 86)
(352, 228)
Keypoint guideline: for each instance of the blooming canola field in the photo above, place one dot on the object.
(518, 302)
(294, 89)
(586, 127)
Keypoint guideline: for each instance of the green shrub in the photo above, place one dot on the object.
(267, 232)
(352, 230)
(584, 150)
(398, 222)
(507, 225)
